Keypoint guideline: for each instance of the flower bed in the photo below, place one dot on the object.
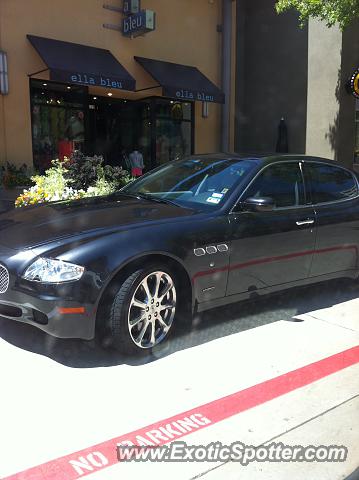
(73, 179)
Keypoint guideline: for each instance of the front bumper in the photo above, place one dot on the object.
(45, 315)
(41, 305)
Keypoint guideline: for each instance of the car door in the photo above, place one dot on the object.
(334, 195)
(274, 247)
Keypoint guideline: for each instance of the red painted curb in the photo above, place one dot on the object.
(103, 455)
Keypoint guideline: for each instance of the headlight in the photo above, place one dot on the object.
(48, 270)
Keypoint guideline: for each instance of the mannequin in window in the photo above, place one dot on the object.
(137, 164)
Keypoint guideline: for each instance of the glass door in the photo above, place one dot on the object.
(174, 130)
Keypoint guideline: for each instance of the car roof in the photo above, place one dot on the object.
(264, 158)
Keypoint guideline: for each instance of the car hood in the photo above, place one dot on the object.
(32, 226)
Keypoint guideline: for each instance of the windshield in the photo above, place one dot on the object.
(195, 182)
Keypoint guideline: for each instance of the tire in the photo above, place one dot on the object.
(136, 312)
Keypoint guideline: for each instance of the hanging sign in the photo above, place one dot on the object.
(353, 84)
(136, 21)
(131, 7)
(139, 24)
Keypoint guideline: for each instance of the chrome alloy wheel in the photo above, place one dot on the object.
(152, 309)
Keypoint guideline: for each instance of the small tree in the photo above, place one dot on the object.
(331, 12)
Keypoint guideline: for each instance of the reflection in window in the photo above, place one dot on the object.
(329, 184)
(193, 182)
(282, 182)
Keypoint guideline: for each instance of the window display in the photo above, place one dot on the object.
(62, 122)
(58, 122)
(173, 130)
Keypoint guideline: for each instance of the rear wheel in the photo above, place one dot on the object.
(143, 310)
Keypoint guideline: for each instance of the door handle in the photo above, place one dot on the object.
(305, 222)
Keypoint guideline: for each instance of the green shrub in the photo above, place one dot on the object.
(50, 187)
(72, 180)
(84, 172)
(13, 176)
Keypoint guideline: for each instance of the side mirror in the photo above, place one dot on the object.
(254, 204)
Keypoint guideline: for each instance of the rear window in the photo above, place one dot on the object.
(329, 183)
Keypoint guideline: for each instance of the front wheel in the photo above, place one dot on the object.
(143, 310)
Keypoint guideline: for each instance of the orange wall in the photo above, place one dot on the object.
(186, 33)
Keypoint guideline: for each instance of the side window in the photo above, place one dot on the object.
(330, 184)
(283, 182)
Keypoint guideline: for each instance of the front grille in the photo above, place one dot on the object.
(4, 279)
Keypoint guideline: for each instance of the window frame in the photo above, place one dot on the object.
(297, 162)
(309, 188)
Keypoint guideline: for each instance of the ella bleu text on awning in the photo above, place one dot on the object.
(101, 81)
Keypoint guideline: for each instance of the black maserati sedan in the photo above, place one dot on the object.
(190, 235)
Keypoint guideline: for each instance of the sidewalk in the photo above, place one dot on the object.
(72, 409)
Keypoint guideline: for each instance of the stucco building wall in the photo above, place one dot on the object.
(186, 33)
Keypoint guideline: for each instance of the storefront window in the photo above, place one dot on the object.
(58, 121)
(174, 110)
(173, 140)
(111, 123)
(144, 142)
(65, 119)
(160, 129)
(173, 130)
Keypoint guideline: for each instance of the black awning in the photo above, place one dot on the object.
(83, 65)
(181, 81)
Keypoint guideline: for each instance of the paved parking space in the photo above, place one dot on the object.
(60, 397)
